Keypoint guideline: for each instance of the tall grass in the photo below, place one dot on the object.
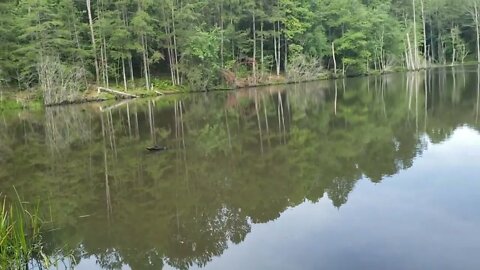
(20, 238)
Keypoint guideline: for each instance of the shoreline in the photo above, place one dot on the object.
(15, 101)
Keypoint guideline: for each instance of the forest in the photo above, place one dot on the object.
(61, 48)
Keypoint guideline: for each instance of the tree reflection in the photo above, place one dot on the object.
(235, 159)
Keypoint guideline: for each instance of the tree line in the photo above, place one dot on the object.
(66, 45)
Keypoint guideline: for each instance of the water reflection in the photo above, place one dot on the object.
(236, 160)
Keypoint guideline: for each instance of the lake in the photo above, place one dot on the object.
(379, 172)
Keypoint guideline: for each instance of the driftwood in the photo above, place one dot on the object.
(115, 92)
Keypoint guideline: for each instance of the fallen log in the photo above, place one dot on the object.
(163, 93)
(115, 92)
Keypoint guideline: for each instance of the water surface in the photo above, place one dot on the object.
(364, 173)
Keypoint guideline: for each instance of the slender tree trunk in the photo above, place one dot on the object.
(102, 63)
(105, 61)
(125, 85)
(334, 59)
(148, 63)
(425, 55)
(92, 36)
(117, 72)
(276, 46)
(415, 44)
(412, 58)
(262, 68)
(452, 32)
(382, 60)
(285, 55)
(130, 64)
(145, 63)
(432, 47)
(175, 45)
(407, 59)
(254, 64)
(222, 44)
(171, 61)
(477, 29)
(279, 48)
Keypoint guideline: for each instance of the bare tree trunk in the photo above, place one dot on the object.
(477, 30)
(415, 44)
(170, 62)
(452, 32)
(276, 46)
(334, 59)
(431, 50)
(412, 58)
(261, 49)
(92, 35)
(102, 63)
(175, 45)
(145, 63)
(285, 55)
(106, 61)
(124, 75)
(425, 54)
(222, 44)
(148, 63)
(407, 59)
(279, 48)
(169, 50)
(254, 64)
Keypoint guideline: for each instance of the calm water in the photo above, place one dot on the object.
(365, 173)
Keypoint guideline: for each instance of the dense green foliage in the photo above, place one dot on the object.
(62, 45)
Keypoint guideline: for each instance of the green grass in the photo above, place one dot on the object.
(20, 238)
(10, 102)
(9, 105)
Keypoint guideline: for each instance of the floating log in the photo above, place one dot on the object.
(157, 148)
(118, 93)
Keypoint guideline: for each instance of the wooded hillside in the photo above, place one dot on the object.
(66, 45)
